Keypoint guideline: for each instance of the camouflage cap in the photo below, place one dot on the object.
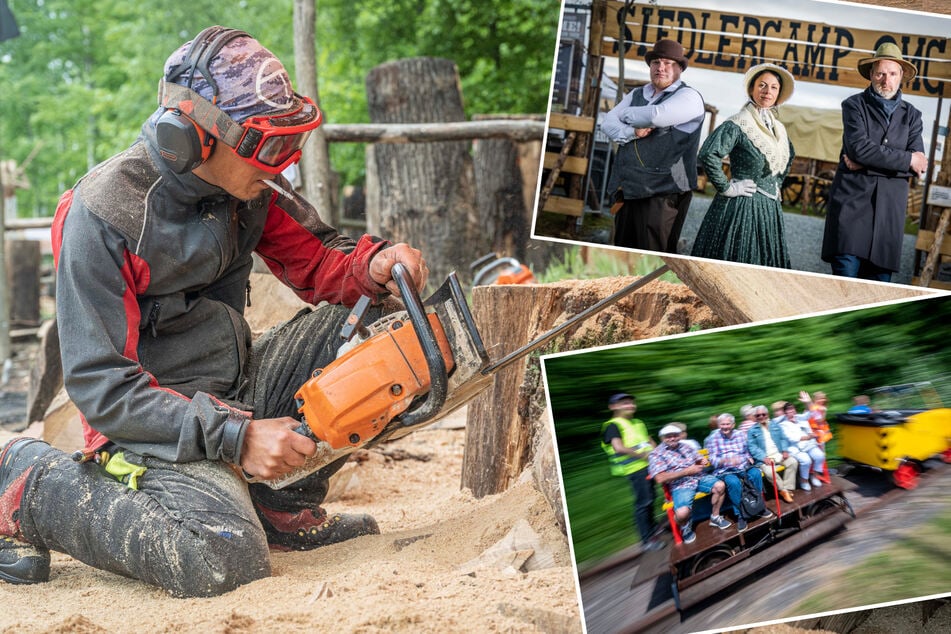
(251, 80)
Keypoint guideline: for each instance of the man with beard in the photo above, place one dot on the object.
(881, 149)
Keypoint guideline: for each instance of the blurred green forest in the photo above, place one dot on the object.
(82, 76)
(689, 378)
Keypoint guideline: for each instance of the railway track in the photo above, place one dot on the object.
(616, 593)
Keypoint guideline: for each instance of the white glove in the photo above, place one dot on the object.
(745, 187)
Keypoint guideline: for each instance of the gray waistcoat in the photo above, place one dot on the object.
(664, 162)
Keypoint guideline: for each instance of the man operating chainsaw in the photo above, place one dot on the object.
(154, 253)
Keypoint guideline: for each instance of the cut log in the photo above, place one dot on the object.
(423, 194)
(740, 294)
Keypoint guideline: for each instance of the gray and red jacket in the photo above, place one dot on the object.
(152, 279)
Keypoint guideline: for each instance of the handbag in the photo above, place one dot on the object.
(751, 500)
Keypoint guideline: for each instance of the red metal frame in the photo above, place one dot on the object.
(779, 510)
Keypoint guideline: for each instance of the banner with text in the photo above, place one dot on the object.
(811, 51)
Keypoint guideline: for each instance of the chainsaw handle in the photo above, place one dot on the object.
(438, 376)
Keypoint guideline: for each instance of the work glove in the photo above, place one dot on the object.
(746, 187)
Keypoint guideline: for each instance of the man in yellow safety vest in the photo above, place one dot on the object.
(626, 442)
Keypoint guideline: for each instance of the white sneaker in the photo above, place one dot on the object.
(804, 485)
(816, 482)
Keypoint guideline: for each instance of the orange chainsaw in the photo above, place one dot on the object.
(404, 371)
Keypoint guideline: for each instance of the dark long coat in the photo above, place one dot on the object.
(866, 212)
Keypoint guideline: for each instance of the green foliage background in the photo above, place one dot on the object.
(82, 76)
(689, 378)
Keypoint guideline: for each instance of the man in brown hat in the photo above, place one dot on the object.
(881, 149)
(657, 127)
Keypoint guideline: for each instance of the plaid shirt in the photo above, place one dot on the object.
(720, 447)
(664, 459)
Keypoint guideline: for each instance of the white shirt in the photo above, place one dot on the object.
(683, 110)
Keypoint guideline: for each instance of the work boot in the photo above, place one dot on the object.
(20, 562)
(309, 529)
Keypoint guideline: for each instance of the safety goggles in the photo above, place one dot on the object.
(272, 142)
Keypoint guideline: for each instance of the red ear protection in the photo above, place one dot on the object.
(182, 142)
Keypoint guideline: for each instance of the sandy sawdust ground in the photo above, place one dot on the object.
(408, 578)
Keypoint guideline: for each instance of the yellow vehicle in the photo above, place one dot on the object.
(908, 425)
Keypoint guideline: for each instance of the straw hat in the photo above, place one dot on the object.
(786, 80)
(888, 50)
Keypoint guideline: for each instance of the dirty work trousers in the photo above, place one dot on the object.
(190, 528)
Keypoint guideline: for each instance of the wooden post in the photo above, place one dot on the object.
(5, 354)
(46, 375)
(315, 165)
(423, 194)
(556, 170)
(23, 277)
(934, 253)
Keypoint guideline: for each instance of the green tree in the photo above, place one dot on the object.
(82, 76)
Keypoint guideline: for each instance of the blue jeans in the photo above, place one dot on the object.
(734, 488)
(853, 266)
(684, 496)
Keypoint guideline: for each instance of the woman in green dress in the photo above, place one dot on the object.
(744, 223)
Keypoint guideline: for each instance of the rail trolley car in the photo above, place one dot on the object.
(718, 558)
(908, 427)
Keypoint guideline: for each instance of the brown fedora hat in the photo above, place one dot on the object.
(887, 50)
(667, 49)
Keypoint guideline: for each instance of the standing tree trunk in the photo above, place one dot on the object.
(505, 219)
(423, 193)
(315, 164)
(23, 275)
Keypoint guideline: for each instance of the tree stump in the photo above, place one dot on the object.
(423, 193)
(504, 423)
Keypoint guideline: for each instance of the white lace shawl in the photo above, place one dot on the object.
(774, 145)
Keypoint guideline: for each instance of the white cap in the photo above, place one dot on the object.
(667, 430)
